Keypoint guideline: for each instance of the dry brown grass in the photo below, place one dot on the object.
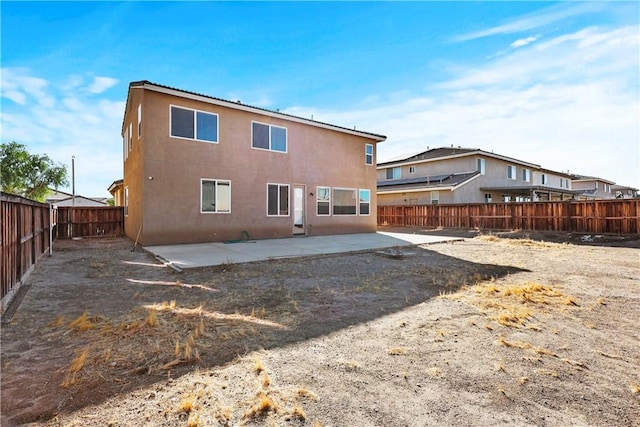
(397, 351)
(262, 405)
(513, 305)
(75, 367)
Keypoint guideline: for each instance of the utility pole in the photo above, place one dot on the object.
(73, 181)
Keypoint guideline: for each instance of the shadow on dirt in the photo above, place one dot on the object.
(144, 323)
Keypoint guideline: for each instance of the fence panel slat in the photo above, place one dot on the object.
(620, 216)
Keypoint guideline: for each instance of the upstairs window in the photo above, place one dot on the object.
(139, 120)
(368, 154)
(393, 173)
(526, 175)
(215, 196)
(482, 166)
(544, 179)
(268, 137)
(412, 169)
(194, 124)
(511, 172)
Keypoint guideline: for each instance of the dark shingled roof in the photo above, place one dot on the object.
(444, 180)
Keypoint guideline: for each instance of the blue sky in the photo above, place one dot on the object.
(555, 84)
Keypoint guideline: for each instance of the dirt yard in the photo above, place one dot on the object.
(489, 331)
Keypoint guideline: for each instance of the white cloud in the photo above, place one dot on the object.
(535, 20)
(70, 122)
(524, 42)
(100, 84)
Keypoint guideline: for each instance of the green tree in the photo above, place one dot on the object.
(29, 175)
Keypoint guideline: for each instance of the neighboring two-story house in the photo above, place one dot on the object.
(467, 175)
(624, 192)
(203, 169)
(591, 187)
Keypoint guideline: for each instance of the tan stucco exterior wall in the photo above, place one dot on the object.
(164, 175)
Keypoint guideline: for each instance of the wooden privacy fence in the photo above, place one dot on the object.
(90, 221)
(582, 216)
(24, 238)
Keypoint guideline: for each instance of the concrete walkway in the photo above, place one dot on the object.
(208, 254)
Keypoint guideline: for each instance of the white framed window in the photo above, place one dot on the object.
(192, 124)
(511, 172)
(125, 143)
(435, 197)
(412, 169)
(277, 199)
(526, 175)
(393, 173)
(487, 198)
(130, 136)
(368, 154)
(126, 201)
(482, 166)
(215, 196)
(544, 179)
(323, 201)
(365, 202)
(344, 201)
(506, 198)
(268, 137)
(139, 120)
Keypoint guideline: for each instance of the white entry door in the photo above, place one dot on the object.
(298, 210)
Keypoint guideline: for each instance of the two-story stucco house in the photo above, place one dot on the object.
(203, 169)
(466, 175)
(592, 187)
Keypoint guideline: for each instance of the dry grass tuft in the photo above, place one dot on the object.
(194, 420)
(523, 380)
(635, 388)
(152, 319)
(75, 367)
(298, 413)
(83, 322)
(397, 351)
(186, 404)
(59, 321)
(263, 405)
(258, 366)
(516, 344)
(224, 414)
(306, 394)
(352, 365)
(266, 381)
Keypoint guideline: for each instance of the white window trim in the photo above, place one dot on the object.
(288, 195)
(359, 202)
(195, 125)
(412, 169)
(318, 201)
(125, 143)
(435, 193)
(130, 136)
(366, 154)
(286, 138)
(393, 169)
(126, 200)
(527, 175)
(216, 181)
(513, 176)
(483, 165)
(139, 120)
(355, 190)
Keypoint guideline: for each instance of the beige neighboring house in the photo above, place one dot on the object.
(203, 169)
(624, 192)
(117, 192)
(592, 187)
(60, 198)
(467, 175)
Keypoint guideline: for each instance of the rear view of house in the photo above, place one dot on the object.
(203, 169)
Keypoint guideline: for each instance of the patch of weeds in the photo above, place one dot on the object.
(397, 351)
(262, 405)
(75, 367)
(352, 365)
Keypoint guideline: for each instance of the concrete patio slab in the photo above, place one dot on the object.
(210, 254)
